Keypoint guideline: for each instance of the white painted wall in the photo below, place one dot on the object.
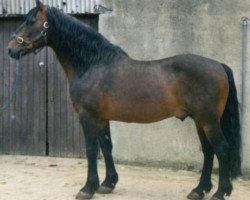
(148, 30)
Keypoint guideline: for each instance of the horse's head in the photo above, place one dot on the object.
(32, 34)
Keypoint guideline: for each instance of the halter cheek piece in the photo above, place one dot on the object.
(37, 39)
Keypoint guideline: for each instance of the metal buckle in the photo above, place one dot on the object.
(46, 25)
(43, 33)
(19, 40)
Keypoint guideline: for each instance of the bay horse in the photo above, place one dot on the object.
(106, 84)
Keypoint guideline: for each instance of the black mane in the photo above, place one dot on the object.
(79, 44)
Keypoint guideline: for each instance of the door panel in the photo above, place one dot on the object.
(41, 120)
(23, 124)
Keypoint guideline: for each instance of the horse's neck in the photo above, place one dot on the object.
(79, 48)
(64, 45)
(67, 67)
(68, 53)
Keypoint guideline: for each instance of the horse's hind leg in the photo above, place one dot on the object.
(220, 146)
(111, 175)
(205, 183)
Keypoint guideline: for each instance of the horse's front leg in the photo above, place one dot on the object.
(91, 132)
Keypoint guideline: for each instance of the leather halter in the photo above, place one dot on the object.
(37, 39)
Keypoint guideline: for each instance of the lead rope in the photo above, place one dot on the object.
(7, 104)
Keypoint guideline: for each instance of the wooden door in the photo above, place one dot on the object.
(23, 124)
(41, 120)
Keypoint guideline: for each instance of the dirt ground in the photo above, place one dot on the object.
(44, 178)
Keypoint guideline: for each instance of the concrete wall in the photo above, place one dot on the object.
(148, 30)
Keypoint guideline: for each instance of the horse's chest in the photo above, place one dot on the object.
(84, 95)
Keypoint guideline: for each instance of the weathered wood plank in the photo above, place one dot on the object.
(51, 71)
(17, 104)
(53, 108)
(32, 94)
(42, 134)
(39, 108)
(1, 85)
(6, 78)
(12, 113)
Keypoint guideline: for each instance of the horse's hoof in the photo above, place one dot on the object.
(84, 195)
(195, 196)
(104, 190)
(217, 198)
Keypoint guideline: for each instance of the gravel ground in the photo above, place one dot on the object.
(46, 178)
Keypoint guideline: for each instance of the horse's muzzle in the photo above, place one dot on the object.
(15, 51)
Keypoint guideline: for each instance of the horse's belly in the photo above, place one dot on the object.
(138, 113)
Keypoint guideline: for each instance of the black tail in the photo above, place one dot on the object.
(230, 125)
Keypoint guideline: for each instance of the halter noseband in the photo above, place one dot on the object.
(29, 44)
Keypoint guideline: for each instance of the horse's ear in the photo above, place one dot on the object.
(39, 5)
